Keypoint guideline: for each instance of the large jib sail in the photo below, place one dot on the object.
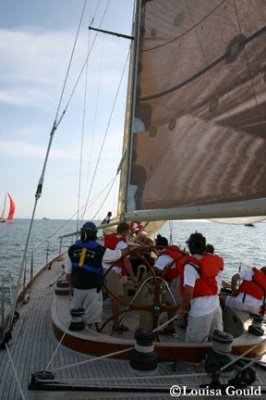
(198, 140)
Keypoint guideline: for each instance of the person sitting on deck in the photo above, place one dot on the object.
(107, 219)
(250, 296)
(119, 271)
(168, 255)
(199, 290)
(84, 272)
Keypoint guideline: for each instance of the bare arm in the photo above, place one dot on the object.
(187, 296)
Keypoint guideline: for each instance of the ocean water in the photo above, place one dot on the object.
(237, 244)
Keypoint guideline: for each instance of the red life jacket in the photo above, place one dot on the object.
(255, 288)
(208, 267)
(110, 241)
(175, 253)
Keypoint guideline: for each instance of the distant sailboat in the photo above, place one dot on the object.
(196, 92)
(12, 209)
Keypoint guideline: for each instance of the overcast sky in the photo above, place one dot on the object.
(36, 40)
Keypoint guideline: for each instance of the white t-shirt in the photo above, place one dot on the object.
(162, 261)
(203, 305)
(250, 300)
(120, 246)
(108, 256)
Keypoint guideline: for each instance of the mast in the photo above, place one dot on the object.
(131, 95)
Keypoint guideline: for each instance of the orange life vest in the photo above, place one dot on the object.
(255, 288)
(175, 253)
(208, 267)
(110, 241)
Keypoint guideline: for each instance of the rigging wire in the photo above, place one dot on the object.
(106, 131)
(93, 200)
(85, 62)
(56, 123)
(70, 61)
(82, 136)
(41, 180)
(94, 119)
(107, 194)
(83, 116)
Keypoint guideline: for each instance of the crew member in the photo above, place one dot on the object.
(107, 219)
(168, 256)
(199, 290)
(250, 296)
(84, 272)
(119, 271)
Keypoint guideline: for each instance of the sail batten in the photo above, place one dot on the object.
(198, 139)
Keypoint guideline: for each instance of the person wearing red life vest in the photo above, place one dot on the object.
(250, 295)
(168, 255)
(120, 269)
(199, 290)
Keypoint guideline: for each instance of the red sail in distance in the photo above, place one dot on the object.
(12, 208)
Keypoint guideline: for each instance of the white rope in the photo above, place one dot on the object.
(15, 373)
(242, 355)
(164, 324)
(57, 348)
(189, 375)
(132, 378)
(253, 361)
(94, 359)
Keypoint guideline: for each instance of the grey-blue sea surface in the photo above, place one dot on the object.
(237, 244)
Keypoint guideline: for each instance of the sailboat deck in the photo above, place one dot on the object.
(61, 308)
(35, 326)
